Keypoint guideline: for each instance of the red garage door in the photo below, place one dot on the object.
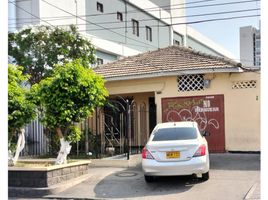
(207, 111)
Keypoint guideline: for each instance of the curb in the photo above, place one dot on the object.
(40, 192)
(254, 192)
(134, 161)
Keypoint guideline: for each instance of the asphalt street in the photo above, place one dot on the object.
(232, 177)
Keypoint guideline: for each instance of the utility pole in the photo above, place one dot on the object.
(125, 22)
(76, 13)
(128, 128)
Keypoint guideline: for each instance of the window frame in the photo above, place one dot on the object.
(119, 16)
(176, 42)
(135, 27)
(149, 33)
(99, 7)
(99, 61)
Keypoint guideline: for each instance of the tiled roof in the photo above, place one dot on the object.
(163, 62)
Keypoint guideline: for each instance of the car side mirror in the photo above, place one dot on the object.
(205, 133)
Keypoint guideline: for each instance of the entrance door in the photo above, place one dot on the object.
(152, 114)
(207, 111)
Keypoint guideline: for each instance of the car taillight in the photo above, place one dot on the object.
(146, 154)
(201, 151)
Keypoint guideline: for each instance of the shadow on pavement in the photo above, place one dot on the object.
(234, 161)
(130, 183)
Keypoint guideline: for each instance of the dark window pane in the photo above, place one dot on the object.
(148, 33)
(176, 133)
(135, 27)
(119, 16)
(99, 7)
(99, 61)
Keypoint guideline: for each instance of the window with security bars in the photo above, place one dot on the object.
(244, 84)
(192, 82)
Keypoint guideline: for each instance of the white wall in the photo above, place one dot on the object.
(138, 43)
(114, 41)
(247, 45)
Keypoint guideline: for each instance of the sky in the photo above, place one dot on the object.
(225, 33)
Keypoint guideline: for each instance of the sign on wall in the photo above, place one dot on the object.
(207, 111)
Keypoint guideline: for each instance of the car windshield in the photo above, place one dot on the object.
(175, 133)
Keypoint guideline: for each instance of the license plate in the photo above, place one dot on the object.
(172, 154)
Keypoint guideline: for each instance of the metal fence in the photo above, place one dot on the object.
(36, 142)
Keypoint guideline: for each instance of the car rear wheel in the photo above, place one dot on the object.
(205, 176)
(148, 179)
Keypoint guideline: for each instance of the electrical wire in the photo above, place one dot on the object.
(142, 20)
(31, 14)
(183, 23)
(193, 22)
(172, 7)
(98, 25)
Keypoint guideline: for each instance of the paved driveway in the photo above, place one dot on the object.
(231, 178)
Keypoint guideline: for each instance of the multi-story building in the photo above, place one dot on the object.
(118, 28)
(250, 46)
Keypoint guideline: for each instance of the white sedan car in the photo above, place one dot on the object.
(176, 148)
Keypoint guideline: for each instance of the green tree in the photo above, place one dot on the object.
(20, 109)
(69, 96)
(39, 48)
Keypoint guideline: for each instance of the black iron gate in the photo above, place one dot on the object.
(116, 136)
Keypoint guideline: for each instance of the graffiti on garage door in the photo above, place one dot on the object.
(207, 111)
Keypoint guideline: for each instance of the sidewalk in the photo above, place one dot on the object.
(232, 177)
(254, 192)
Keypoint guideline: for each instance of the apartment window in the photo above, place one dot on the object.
(176, 42)
(148, 33)
(99, 7)
(120, 16)
(99, 61)
(135, 27)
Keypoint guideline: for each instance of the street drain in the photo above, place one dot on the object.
(126, 174)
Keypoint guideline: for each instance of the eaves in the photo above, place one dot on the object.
(174, 73)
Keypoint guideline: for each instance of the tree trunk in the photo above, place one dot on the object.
(65, 148)
(20, 147)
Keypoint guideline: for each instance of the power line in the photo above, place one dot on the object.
(109, 29)
(171, 8)
(150, 8)
(80, 31)
(97, 24)
(193, 22)
(186, 23)
(185, 16)
(31, 14)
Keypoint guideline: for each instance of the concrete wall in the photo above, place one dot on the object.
(196, 45)
(115, 42)
(107, 57)
(115, 30)
(246, 45)
(249, 49)
(242, 106)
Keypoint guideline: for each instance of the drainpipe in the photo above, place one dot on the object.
(128, 129)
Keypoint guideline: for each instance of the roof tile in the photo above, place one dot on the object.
(169, 59)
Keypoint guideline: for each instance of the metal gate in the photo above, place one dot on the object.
(207, 111)
(123, 126)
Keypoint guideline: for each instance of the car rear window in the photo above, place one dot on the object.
(176, 133)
